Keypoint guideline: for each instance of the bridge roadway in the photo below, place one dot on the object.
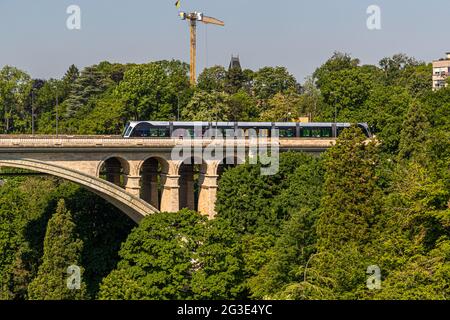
(138, 175)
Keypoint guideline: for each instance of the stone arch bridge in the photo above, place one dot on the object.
(138, 176)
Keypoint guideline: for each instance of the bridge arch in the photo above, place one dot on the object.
(153, 171)
(115, 168)
(219, 167)
(132, 206)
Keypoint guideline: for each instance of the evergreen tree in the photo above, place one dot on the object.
(414, 132)
(347, 225)
(88, 84)
(234, 80)
(297, 241)
(62, 249)
(70, 77)
(349, 205)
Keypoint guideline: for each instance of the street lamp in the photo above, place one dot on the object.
(57, 116)
(56, 109)
(32, 111)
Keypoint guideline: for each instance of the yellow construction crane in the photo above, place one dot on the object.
(192, 18)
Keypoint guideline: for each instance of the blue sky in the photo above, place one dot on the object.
(298, 34)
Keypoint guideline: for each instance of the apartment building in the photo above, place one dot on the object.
(441, 70)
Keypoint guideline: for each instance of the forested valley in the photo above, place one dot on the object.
(309, 232)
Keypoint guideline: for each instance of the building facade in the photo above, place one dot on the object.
(441, 70)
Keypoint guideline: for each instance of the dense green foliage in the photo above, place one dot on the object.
(177, 256)
(62, 249)
(308, 232)
(27, 204)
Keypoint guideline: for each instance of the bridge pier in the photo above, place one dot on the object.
(170, 196)
(132, 185)
(207, 195)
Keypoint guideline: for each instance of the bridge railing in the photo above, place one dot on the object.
(118, 142)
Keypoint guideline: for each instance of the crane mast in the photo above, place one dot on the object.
(193, 62)
(192, 18)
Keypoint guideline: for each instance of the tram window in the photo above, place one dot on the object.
(263, 132)
(163, 133)
(182, 133)
(217, 132)
(128, 131)
(305, 133)
(316, 132)
(154, 133)
(326, 132)
(141, 130)
(229, 133)
(140, 133)
(287, 133)
(250, 133)
(204, 131)
(240, 133)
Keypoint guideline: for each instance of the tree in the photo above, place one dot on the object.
(339, 61)
(220, 266)
(254, 212)
(346, 226)
(15, 88)
(62, 249)
(154, 91)
(395, 65)
(311, 101)
(102, 228)
(23, 220)
(345, 93)
(423, 277)
(176, 256)
(242, 107)
(89, 84)
(234, 80)
(212, 79)
(70, 77)
(385, 110)
(414, 132)
(297, 240)
(107, 117)
(269, 81)
(282, 108)
(413, 246)
(156, 259)
(349, 206)
(206, 106)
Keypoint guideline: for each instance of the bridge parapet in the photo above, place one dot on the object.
(117, 142)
